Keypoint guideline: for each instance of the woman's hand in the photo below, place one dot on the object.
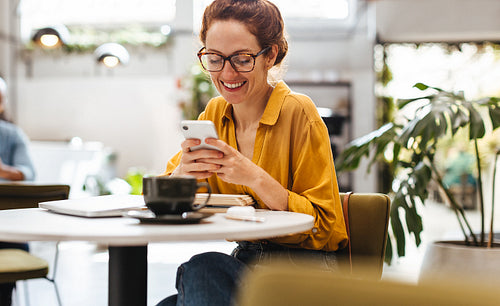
(233, 167)
(192, 161)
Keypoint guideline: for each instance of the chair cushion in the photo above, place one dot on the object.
(17, 265)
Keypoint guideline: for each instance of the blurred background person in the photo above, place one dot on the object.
(15, 165)
(15, 160)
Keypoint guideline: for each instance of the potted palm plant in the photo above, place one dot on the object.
(412, 142)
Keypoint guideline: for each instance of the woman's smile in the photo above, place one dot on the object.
(233, 85)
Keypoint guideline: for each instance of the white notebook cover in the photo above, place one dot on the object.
(98, 206)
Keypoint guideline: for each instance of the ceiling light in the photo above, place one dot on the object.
(51, 37)
(111, 55)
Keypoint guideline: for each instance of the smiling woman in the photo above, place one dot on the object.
(272, 146)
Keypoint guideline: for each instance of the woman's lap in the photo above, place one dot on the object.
(206, 279)
(212, 278)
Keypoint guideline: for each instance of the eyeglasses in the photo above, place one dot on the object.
(241, 62)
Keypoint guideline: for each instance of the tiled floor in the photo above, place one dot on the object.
(82, 269)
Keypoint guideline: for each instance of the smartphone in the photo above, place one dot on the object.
(199, 129)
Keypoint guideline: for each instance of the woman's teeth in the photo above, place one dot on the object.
(233, 85)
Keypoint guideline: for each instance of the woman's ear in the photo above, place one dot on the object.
(271, 58)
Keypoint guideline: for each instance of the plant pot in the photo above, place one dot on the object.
(456, 261)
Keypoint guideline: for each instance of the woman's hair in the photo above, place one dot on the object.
(262, 18)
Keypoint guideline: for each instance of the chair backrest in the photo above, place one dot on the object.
(28, 195)
(368, 215)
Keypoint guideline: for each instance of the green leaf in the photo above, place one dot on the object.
(476, 123)
(399, 234)
(458, 119)
(494, 113)
(403, 102)
(388, 251)
(350, 158)
(419, 127)
(413, 219)
(421, 86)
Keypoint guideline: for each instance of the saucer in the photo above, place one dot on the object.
(147, 216)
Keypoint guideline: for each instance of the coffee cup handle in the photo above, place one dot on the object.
(203, 184)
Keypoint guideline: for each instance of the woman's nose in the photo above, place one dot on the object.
(228, 69)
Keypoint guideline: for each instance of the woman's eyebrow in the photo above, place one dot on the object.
(235, 52)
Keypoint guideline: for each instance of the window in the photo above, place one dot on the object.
(314, 9)
(473, 68)
(303, 16)
(94, 13)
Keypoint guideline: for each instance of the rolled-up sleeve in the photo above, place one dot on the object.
(314, 190)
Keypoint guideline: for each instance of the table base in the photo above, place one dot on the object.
(128, 276)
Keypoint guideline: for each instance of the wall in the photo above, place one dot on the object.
(438, 20)
(4, 26)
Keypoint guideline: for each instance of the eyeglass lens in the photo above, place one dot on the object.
(215, 62)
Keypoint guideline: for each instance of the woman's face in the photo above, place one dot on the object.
(228, 37)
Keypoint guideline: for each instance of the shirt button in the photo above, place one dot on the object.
(314, 230)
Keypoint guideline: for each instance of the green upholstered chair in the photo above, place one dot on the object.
(368, 215)
(15, 264)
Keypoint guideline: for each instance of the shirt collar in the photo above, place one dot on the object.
(273, 107)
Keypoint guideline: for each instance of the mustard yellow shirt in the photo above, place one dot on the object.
(293, 146)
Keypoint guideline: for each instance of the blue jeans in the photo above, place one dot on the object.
(212, 278)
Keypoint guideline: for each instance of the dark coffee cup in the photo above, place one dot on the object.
(172, 194)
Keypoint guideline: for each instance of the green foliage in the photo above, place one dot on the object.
(200, 88)
(412, 146)
(134, 178)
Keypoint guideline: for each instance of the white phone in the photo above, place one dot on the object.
(199, 129)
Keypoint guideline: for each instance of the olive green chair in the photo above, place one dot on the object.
(18, 265)
(368, 218)
(278, 285)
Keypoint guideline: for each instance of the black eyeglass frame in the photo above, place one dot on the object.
(228, 58)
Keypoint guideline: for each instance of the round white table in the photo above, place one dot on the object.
(128, 238)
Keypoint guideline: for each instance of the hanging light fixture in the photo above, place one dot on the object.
(51, 37)
(111, 55)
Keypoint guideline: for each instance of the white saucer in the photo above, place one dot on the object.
(147, 216)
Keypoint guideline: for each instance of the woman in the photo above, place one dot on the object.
(273, 146)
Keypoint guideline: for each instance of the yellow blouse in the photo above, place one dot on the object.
(293, 146)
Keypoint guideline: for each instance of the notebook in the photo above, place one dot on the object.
(98, 206)
(225, 200)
